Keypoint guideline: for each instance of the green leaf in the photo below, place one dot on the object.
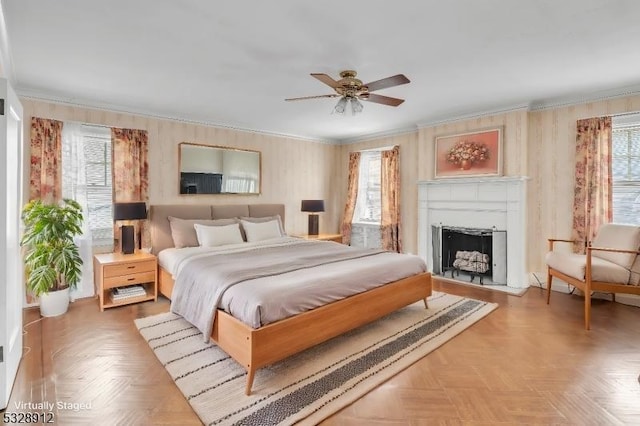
(51, 257)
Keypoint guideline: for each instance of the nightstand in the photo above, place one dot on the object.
(322, 237)
(117, 270)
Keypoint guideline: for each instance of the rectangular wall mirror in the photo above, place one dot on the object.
(207, 169)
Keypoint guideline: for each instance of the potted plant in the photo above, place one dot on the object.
(51, 257)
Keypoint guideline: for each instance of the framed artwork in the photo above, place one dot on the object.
(469, 154)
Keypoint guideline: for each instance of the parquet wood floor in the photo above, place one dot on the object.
(525, 363)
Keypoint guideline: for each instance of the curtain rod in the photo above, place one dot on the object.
(626, 114)
(382, 148)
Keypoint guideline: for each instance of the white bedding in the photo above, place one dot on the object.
(263, 300)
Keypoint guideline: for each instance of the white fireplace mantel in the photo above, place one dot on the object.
(478, 202)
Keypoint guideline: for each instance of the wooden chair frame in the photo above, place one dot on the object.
(588, 285)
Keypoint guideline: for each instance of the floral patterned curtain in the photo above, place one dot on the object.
(130, 169)
(592, 202)
(45, 175)
(352, 195)
(390, 200)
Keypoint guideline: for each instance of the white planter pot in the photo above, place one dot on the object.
(54, 303)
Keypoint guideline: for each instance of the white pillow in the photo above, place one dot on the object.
(214, 236)
(261, 230)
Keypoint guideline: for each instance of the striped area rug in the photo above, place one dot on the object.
(312, 385)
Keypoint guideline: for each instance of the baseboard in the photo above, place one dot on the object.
(539, 279)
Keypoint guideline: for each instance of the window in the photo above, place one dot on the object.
(626, 173)
(86, 177)
(368, 204)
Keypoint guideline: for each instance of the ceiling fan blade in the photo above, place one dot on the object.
(384, 100)
(326, 80)
(334, 95)
(396, 80)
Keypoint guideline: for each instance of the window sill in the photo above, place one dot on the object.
(367, 224)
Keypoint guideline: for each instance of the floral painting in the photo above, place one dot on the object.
(469, 154)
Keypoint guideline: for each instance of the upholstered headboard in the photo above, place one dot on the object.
(159, 222)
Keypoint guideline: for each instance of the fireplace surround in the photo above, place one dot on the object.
(491, 203)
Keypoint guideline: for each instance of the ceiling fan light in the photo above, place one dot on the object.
(340, 106)
(356, 106)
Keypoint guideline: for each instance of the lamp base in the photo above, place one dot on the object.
(313, 224)
(127, 239)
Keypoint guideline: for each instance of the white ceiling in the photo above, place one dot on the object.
(233, 63)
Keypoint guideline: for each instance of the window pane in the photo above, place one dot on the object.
(96, 174)
(619, 166)
(620, 143)
(634, 169)
(368, 207)
(87, 178)
(626, 204)
(626, 175)
(634, 138)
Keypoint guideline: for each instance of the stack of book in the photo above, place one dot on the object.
(128, 292)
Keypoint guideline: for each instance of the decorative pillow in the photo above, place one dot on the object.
(184, 234)
(265, 219)
(258, 231)
(214, 236)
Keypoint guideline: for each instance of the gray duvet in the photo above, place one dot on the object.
(266, 283)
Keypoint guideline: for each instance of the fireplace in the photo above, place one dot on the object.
(481, 205)
(470, 253)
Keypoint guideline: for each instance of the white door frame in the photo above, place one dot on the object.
(12, 291)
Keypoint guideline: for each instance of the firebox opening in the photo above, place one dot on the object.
(470, 253)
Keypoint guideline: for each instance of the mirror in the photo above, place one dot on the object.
(207, 169)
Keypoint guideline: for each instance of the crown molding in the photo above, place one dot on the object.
(41, 97)
(539, 105)
(601, 95)
(379, 135)
(473, 115)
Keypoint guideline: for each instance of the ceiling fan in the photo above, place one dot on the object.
(349, 88)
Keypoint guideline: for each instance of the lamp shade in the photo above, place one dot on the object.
(312, 206)
(130, 211)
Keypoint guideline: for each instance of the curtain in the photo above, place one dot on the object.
(74, 186)
(592, 202)
(352, 195)
(130, 169)
(45, 173)
(390, 200)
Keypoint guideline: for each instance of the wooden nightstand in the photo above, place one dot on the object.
(322, 237)
(112, 270)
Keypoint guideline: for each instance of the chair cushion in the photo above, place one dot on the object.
(624, 237)
(575, 265)
(635, 272)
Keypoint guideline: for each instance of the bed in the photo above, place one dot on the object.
(255, 346)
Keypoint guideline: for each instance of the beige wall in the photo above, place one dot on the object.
(292, 169)
(551, 141)
(537, 144)
(514, 141)
(417, 159)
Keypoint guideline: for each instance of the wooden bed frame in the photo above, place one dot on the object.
(256, 348)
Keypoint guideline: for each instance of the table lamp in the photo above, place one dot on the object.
(129, 211)
(313, 207)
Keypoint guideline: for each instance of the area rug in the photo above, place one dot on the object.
(312, 385)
